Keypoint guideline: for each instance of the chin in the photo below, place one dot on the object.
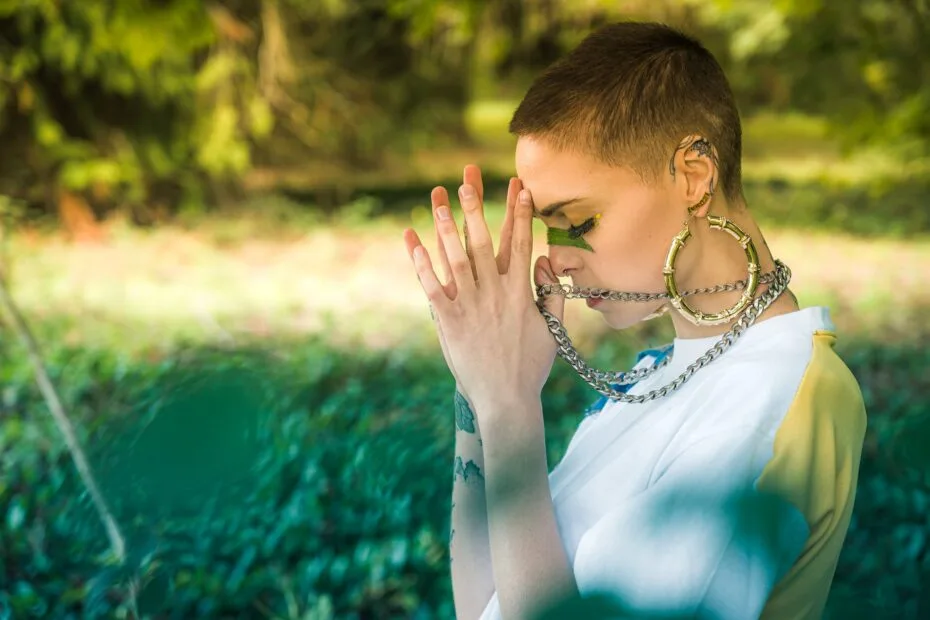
(626, 317)
(621, 320)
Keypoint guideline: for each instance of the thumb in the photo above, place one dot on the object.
(544, 274)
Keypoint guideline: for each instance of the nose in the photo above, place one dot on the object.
(564, 260)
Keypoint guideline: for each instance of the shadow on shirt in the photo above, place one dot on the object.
(753, 521)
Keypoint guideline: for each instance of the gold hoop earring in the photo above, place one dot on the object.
(697, 317)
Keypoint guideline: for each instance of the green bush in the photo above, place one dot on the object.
(305, 481)
(875, 209)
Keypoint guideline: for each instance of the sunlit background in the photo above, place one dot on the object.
(201, 209)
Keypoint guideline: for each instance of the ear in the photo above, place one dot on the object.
(694, 166)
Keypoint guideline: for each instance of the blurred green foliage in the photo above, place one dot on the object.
(101, 98)
(296, 480)
(157, 107)
(142, 102)
(862, 64)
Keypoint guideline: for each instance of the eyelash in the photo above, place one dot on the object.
(583, 228)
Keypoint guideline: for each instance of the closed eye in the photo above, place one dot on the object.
(582, 229)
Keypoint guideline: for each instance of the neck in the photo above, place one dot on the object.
(713, 257)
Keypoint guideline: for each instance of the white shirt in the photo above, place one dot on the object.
(701, 501)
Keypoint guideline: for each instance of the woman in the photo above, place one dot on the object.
(715, 480)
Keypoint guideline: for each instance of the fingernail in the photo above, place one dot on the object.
(443, 213)
(524, 196)
(418, 252)
(467, 191)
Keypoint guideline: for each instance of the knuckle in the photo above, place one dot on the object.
(472, 205)
(460, 265)
(480, 244)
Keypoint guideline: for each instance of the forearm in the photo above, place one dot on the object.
(531, 567)
(469, 548)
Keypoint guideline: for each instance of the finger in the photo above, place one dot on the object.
(455, 252)
(482, 247)
(439, 196)
(503, 250)
(522, 245)
(424, 267)
(543, 274)
(468, 251)
(472, 176)
(411, 240)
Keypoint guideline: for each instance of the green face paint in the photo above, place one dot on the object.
(560, 236)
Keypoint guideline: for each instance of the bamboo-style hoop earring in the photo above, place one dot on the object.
(716, 222)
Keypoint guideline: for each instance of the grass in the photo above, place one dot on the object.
(349, 277)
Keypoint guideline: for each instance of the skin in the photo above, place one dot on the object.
(498, 348)
(488, 295)
(639, 220)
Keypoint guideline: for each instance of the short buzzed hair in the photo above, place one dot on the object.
(629, 94)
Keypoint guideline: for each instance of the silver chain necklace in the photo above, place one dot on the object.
(603, 381)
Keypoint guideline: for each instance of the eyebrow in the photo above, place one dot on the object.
(555, 206)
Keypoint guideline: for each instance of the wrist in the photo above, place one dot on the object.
(509, 405)
(466, 422)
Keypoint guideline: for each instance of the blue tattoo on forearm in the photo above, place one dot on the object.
(464, 416)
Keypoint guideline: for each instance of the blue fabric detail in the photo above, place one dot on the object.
(659, 355)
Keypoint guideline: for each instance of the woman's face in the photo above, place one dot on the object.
(630, 241)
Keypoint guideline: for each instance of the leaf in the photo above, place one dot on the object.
(242, 566)
(16, 515)
(911, 443)
(99, 587)
(154, 594)
(141, 553)
(560, 236)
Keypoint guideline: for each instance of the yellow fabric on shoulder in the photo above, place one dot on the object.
(815, 466)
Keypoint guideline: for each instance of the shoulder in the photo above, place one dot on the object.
(791, 423)
(794, 374)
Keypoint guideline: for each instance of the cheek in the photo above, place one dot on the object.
(632, 256)
(644, 224)
(632, 261)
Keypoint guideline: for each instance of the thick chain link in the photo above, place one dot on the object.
(603, 381)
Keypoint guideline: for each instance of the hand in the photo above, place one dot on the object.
(439, 197)
(494, 339)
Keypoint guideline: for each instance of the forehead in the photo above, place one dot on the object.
(556, 174)
(537, 158)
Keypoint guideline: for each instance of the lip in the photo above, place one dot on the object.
(593, 302)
